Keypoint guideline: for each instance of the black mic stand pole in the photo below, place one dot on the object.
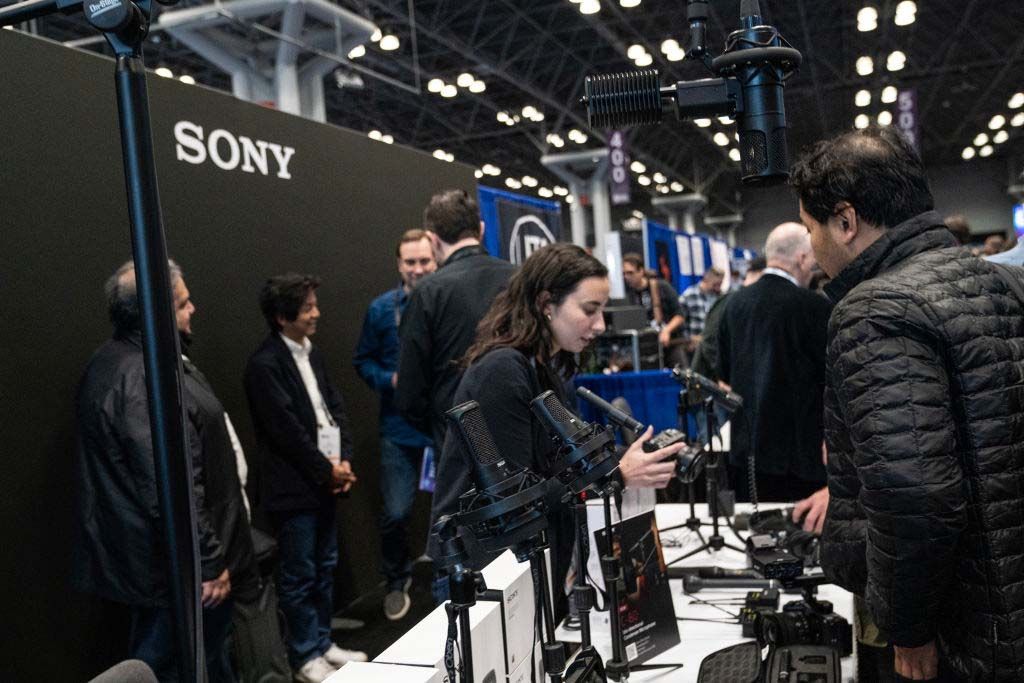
(588, 665)
(693, 523)
(462, 583)
(617, 667)
(125, 25)
(554, 651)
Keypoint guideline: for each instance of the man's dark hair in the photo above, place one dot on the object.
(452, 215)
(874, 169)
(283, 295)
(634, 259)
(414, 235)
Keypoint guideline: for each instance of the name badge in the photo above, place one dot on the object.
(329, 442)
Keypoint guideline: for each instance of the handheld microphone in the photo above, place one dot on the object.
(729, 400)
(586, 452)
(614, 414)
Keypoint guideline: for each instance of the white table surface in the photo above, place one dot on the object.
(698, 638)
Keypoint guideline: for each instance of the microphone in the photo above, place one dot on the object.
(614, 414)
(490, 468)
(586, 452)
(729, 400)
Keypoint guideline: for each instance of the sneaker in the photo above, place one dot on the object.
(397, 603)
(338, 656)
(315, 670)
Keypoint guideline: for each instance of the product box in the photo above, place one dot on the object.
(518, 608)
(521, 674)
(372, 672)
(423, 644)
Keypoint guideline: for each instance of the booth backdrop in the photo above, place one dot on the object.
(336, 209)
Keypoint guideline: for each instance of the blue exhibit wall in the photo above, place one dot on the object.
(489, 197)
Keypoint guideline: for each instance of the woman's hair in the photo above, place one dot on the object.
(516, 319)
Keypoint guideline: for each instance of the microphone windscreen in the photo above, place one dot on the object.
(469, 421)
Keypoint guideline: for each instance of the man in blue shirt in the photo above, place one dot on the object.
(402, 446)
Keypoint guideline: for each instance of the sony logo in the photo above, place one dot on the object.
(229, 152)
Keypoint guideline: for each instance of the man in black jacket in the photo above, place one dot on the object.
(924, 414)
(439, 323)
(771, 343)
(305, 450)
(119, 555)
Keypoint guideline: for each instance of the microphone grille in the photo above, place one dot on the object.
(471, 424)
(626, 99)
(559, 412)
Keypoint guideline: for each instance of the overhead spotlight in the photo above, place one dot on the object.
(862, 98)
(530, 181)
(726, 120)
(560, 191)
(981, 139)
(387, 139)
(644, 180)
(1018, 120)
(502, 117)
(376, 36)
(1000, 137)
(906, 13)
(884, 118)
(986, 151)
(702, 123)
(477, 86)
(538, 117)
(637, 167)
(861, 121)
(357, 52)
(659, 177)
(865, 66)
(644, 60)
(734, 154)
(590, 7)
(513, 183)
(439, 154)
(997, 122)
(676, 56)
(437, 85)
(449, 90)
(1017, 101)
(676, 186)
(529, 111)
(449, 157)
(492, 170)
(629, 3)
(374, 134)
(896, 61)
(968, 153)
(889, 94)
(186, 79)
(867, 19)
(721, 139)
(635, 51)
(569, 199)
(663, 189)
(464, 80)
(389, 43)
(164, 72)
(478, 174)
(670, 45)
(545, 192)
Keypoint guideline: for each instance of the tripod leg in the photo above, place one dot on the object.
(554, 652)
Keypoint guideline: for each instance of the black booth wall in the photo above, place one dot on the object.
(63, 231)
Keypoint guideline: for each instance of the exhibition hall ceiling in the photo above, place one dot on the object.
(523, 63)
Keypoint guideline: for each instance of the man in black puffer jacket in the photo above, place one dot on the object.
(924, 415)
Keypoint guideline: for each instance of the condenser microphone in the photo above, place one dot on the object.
(614, 414)
(586, 452)
(489, 468)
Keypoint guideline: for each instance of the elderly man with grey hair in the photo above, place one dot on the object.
(771, 351)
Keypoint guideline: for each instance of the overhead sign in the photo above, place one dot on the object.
(618, 178)
(906, 116)
(525, 229)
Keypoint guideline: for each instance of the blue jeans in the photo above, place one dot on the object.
(307, 542)
(152, 640)
(399, 480)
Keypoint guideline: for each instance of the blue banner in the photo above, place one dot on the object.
(516, 225)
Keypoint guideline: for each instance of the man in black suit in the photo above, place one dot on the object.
(772, 353)
(305, 452)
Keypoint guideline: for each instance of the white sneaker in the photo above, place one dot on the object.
(337, 656)
(315, 670)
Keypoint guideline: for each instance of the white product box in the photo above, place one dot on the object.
(515, 583)
(424, 643)
(521, 674)
(372, 672)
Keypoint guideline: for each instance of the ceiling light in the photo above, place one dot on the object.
(529, 111)
(702, 123)
(906, 13)
(164, 72)
(387, 139)
(644, 60)
(862, 98)
(513, 183)
(376, 36)
(629, 3)
(545, 192)
(670, 45)
(721, 139)
(638, 214)
(884, 118)
(1000, 137)
(635, 51)
(968, 153)
(644, 180)
(896, 61)
(1018, 120)
(530, 181)
(734, 154)
(986, 151)
(981, 139)
(502, 116)
(374, 134)
(865, 65)
(560, 191)
(659, 177)
(590, 7)
(1017, 101)
(569, 199)
(677, 56)
(997, 122)
(439, 154)
(389, 43)
(449, 90)
(437, 85)
(663, 189)
(449, 157)
(478, 174)
(889, 94)
(187, 80)
(867, 19)
(477, 87)
(538, 117)
(357, 52)
(676, 186)
(637, 167)
(464, 80)
(861, 121)
(725, 120)
(491, 169)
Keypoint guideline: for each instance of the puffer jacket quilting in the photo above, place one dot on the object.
(924, 420)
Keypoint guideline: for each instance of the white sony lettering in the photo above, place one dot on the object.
(212, 144)
(283, 157)
(189, 137)
(251, 155)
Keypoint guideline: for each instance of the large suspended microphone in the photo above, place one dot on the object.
(586, 452)
(751, 75)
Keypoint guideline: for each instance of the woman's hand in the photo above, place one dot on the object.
(645, 470)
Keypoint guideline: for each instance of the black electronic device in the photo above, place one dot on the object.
(698, 386)
(790, 536)
(748, 83)
(803, 664)
(768, 597)
(662, 439)
(617, 318)
(771, 562)
(749, 617)
(805, 622)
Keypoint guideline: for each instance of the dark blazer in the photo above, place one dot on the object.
(772, 352)
(293, 473)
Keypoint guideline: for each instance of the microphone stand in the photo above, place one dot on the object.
(693, 523)
(462, 583)
(588, 665)
(125, 25)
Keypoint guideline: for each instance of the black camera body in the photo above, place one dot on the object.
(805, 622)
(768, 559)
